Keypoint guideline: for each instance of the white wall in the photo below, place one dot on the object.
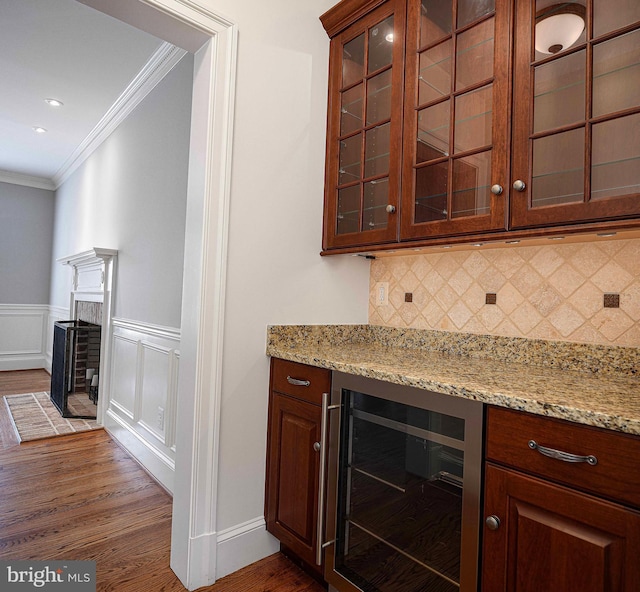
(130, 195)
(26, 233)
(275, 272)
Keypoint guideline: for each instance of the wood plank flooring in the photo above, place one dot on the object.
(83, 497)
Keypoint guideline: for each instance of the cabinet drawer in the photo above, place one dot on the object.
(286, 378)
(616, 474)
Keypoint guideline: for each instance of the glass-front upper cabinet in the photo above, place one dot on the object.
(362, 182)
(576, 91)
(456, 129)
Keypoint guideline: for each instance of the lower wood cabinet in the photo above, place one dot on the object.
(293, 459)
(542, 536)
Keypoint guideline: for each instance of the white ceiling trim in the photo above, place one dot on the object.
(160, 64)
(26, 180)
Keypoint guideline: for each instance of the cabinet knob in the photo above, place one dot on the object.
(519, 185)
(496, 189)
(492, 522)
(316, 446)
(390, 209)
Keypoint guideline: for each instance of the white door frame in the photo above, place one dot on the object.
(213, 40)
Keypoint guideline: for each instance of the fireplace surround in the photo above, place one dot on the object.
(86, 334)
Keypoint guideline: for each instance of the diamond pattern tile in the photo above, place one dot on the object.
(543, 292)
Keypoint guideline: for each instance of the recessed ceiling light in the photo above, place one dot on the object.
(39, 130)
(53, 102)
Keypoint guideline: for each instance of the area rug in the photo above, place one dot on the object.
(35, 417)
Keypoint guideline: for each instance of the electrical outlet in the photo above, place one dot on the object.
(160, 418)
(382, 293)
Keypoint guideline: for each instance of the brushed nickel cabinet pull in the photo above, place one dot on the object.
(563, 456)
(298, 382)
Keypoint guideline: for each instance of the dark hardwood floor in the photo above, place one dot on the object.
(83, 497)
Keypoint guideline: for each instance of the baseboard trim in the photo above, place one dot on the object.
(159, 466)
(11, 362)
(242, 545)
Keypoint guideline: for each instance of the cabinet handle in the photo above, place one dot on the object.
(317, 446)
(390, 209)
(496, 189)
(323, 476)
(492, 522)
(563, 456)
(298, 382)
(519, 185)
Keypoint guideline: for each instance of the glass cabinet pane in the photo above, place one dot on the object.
(558, 169)
(348, 217)
(431, 193)
(377, 151)
(559, 95)
(615, 166)
(471, 10)
(433, 132)
(474, 55)
(376, 199)
(473, 120)
(616, 65)
(350, 153)
(471, 195)
(434, 78)
(435, 20)
(351, 110)
(558, 27)
(380, 45)
(379, 97)
(610, 15)
(353, 61)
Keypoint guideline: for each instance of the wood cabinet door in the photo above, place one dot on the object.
(364, 132)
(555, 539)
(457, 114)
(291, 504)
(576, 144)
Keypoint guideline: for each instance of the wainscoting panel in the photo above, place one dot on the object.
(142, 399)
(22, 331)
(56, 313)
(124, 375)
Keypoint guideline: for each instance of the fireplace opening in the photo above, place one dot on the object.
(75, 368)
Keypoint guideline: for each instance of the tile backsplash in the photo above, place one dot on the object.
(554, 292)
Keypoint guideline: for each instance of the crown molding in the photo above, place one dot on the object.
(159, 65)
(26, 180)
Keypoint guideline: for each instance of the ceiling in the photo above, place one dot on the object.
(68, 51)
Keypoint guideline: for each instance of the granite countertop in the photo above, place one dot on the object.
(587, 384)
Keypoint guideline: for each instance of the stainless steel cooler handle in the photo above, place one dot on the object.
(324, 425)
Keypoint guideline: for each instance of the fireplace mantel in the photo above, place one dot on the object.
(92, 274)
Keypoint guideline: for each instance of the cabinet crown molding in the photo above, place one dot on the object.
(345, 13)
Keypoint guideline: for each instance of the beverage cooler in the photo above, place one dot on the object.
(403, 477)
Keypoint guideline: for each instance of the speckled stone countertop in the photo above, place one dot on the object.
(591, 385)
